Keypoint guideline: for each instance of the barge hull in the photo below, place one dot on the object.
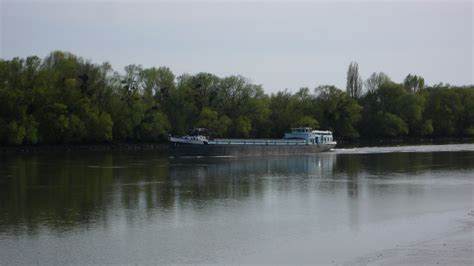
(184, 149)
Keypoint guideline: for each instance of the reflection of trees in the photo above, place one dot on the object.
(61, 190)
(380, 164)
(359, 169)
(65, 191)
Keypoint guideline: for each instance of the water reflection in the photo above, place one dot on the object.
(246, 167)
(62, 192)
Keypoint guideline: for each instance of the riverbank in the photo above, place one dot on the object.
(455, 247)
(163, 146)
(159, 147)
(364, 142)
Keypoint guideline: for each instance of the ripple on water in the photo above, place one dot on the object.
(412, 148)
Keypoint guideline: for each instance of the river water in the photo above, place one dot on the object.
(131, 207)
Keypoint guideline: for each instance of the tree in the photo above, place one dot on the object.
(354, 81)
(281, 115)
(158, 83)
(209, 119)
(466, 122)
(392, 125)
(54, 123)
(205, 87)
(376, 80)
(390, 111)
(414, 83)
(132, 81)
(242, 127)
(14, 133)
(66, 99)
(444, 108)
(306, 121)
(339, 112)
(154, 126)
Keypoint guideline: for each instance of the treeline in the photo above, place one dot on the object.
(66, 99)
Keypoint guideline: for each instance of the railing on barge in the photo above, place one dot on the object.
(259, 141)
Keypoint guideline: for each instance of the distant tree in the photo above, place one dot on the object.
(354, 81)
(217, 126)
(391, 111)
(426, 128)
(158, 84)
(376, 80)
(339, 112)
(14, 133)
(205, 90)
(306, 121)
(242, 126)
(66, 99)
(154, 126)
(132, 81)
(281, 115)
(392, 125)
(414, 83)
(445, 109)
(466, 122)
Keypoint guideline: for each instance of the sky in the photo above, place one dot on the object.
(279, 44)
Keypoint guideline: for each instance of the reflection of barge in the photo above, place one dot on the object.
(318, 165)
(298, 141)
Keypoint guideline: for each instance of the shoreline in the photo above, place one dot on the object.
(107, 147)
(454, 247)
(363, 142)
(163, 146)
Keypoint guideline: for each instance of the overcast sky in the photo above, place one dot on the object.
(277, 44)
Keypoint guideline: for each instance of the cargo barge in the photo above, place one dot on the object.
(301, 140)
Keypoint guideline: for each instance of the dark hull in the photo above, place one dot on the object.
(182, 149)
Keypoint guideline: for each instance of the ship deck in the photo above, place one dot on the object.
(258, 141)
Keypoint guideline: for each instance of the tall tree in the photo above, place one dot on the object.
(376, 80)
(445, 109)
(354, 81)
(414, 83)
(339, 111)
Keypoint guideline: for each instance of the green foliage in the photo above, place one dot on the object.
(243, 126)
(339, 111)
(31, 130)
(391, 111)
(66, 99)
(281, 112)
(53, 123)
(3, 129)
(306, 121)
(466, 121)
(154, 126)
(375, 81)
(14, 133)
(445, 109)
(414, 83)
(354, 81)
(427, 128)
(217, 126)
(158, 84)
(392, 125)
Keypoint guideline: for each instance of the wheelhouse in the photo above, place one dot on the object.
(309, 135)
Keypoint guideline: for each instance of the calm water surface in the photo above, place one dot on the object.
(148, 208)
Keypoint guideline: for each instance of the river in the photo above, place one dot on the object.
(132, 207)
